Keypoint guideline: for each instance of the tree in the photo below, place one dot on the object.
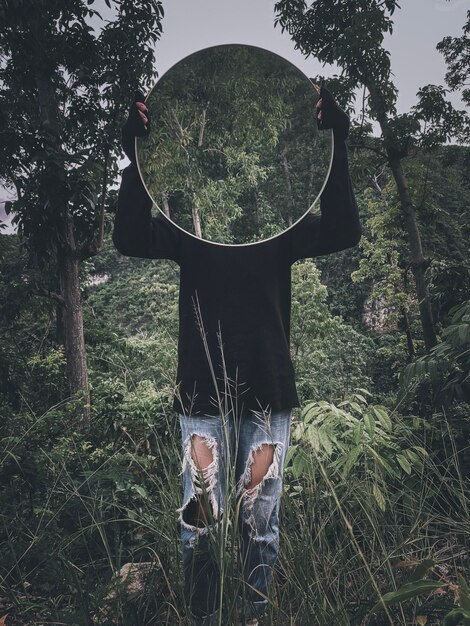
(66, 78)
(456, 51)
(350, 33)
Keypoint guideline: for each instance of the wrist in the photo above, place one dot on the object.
(128, 144)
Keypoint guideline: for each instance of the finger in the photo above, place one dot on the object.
(141, 106)
(143, 117)
(319, 103)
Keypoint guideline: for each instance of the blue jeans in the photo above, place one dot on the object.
(232, 442)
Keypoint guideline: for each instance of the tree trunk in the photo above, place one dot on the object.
(166, 205)
(194, 212)
(202, 128)
(67, 258)
(196, 221)
(418, 262)
(75, 351)
(409, 337)
(290, 195)
(256, 212)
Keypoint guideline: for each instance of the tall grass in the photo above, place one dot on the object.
(368, 495)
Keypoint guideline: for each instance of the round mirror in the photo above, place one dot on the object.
(234, 155)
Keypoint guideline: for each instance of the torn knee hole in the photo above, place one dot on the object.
(201, 455)
(201, 451)
(197, 512)
(262, 459)
(262, 464)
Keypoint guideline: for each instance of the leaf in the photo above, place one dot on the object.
(357, 433)
(464, 332)
(325, 441)
(421, 569)
(464, 593)
(414, 459)
(351, 460)
(298, 464)
(404, 463)
(382, 415)
(140, 490)
(383, 462)
(313, 436)
(369, 423)
(410, 590)
(310, 411)
(422, 620)
(455, 617)
(379, 497)
(360, 397)
(290, 453)
(357, 407)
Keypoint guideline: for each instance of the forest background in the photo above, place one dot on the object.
(375, 516)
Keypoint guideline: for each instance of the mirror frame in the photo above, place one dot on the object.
(308, 210)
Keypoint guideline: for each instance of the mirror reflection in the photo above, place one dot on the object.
(234, 155)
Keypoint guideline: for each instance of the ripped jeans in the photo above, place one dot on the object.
(232, 443)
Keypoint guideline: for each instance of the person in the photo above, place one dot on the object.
(235, 381)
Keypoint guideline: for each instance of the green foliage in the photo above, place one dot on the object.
(440, 190)
(441, 121)
(32, 367)
(62, 109)
(328, 354)
(383, 248)
(90, 501)
(421, 586)
(354, 41)
(351, 35)
(355, 435)
(407, 591)
(456, 51)
(447, 365)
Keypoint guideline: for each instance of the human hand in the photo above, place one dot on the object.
(136, 125)
(142, 109)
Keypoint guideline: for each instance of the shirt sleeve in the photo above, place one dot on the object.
(136, 232)
(337, 226)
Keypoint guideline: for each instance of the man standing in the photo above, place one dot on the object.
(236, 381)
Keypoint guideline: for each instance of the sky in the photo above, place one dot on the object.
(419, 25)
(191, 25)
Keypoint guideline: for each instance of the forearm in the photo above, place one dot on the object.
(133, 215)
(340, 224)
(136, 232)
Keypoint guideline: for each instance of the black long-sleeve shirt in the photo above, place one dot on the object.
(235, 301)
